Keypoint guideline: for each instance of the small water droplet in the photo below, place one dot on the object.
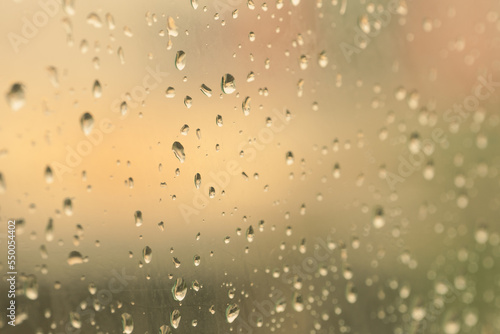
(111, 21)
(245, 106)
(123, 108)
(351, 293)
(53, 76)
(31, 287)
(185, 130)
(94, 20)
(68, 207)
(170, 92)
(164, 329)
(188, 101)
(127, 31)
(138, 218)
(250, 234)
(206, 90)
(298, 303)
(303, 62)
(379, 220)
(218, 120)
(49, 175)
(323, 59)
(97, 89)
(197, 180)
(250, 77)
(171, 27)
(121, 55)
(481, 235)
(336, 171)
(49, 230)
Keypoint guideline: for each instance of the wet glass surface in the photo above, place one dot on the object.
(232, 166)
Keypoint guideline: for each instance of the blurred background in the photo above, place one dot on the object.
(233, 166)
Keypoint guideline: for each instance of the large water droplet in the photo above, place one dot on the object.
(97, 89)
(170, 92)
(232, 312)
(127, 323)
(175, 318)
(180, 60)
(87, 123)
(147, 254)
(228, 86)
(15, 97)
(74, 318)
(185, 130)
(75, 258)
(179, 289)
(178, 150)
